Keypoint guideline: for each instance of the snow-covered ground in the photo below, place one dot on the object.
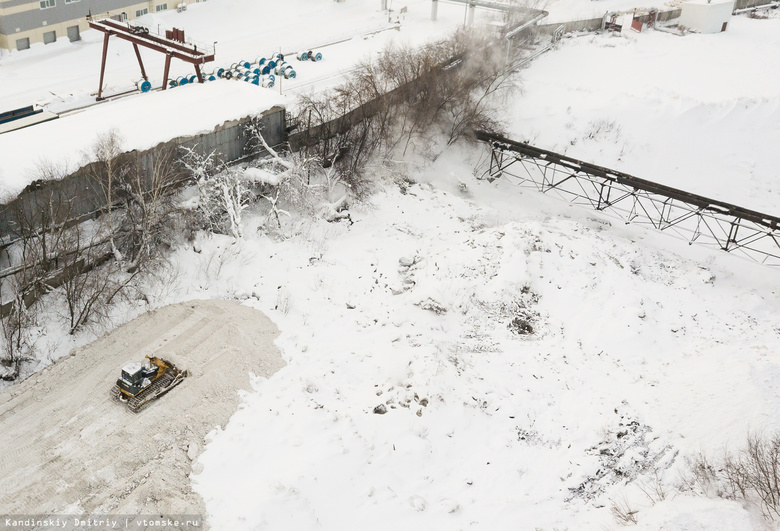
(644, 351)
(700, 112)
(412, 399)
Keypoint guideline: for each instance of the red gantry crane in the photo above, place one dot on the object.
(172, 44)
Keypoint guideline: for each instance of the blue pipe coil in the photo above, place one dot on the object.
(144, 85)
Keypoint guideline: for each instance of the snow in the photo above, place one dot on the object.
(644, 350)
(259, 175)
(688, 513)
(700, 113)
(483, 427)
(142, 122)
(709, 2)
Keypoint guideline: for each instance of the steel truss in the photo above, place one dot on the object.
(696, 218)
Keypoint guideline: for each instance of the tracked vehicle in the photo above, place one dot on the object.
(142, 383)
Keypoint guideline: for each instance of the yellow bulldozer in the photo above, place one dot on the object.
(141, 383)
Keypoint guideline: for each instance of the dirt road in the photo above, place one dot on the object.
(67, 447)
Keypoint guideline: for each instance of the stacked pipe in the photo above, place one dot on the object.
(309, 56)
(261, 72)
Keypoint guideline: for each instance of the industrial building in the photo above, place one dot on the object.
(25, 22)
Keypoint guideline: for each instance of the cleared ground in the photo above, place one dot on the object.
(67, 447)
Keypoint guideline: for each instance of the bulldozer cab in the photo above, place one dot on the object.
(133, 373)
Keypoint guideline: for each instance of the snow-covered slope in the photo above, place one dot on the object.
(639, 355)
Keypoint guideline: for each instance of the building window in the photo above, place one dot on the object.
(46, 4)
(23, 44)
(141, 12)
(49, 37)
(161, 7)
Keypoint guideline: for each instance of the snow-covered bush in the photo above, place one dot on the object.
(751, 474)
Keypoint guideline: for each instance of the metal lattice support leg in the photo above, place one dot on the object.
(103, 66)
(167, 70)
(140, 62)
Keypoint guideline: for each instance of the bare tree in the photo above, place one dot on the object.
(406, 97)
(107, 168)
(15, 325)
(149, 208)
(137, 202)
(87, 279)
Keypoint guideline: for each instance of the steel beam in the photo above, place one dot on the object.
(103, 65)
(696, 218)
(140, 62)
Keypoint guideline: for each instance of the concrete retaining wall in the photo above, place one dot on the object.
(84, 197)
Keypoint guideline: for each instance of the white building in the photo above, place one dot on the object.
(706, 16)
